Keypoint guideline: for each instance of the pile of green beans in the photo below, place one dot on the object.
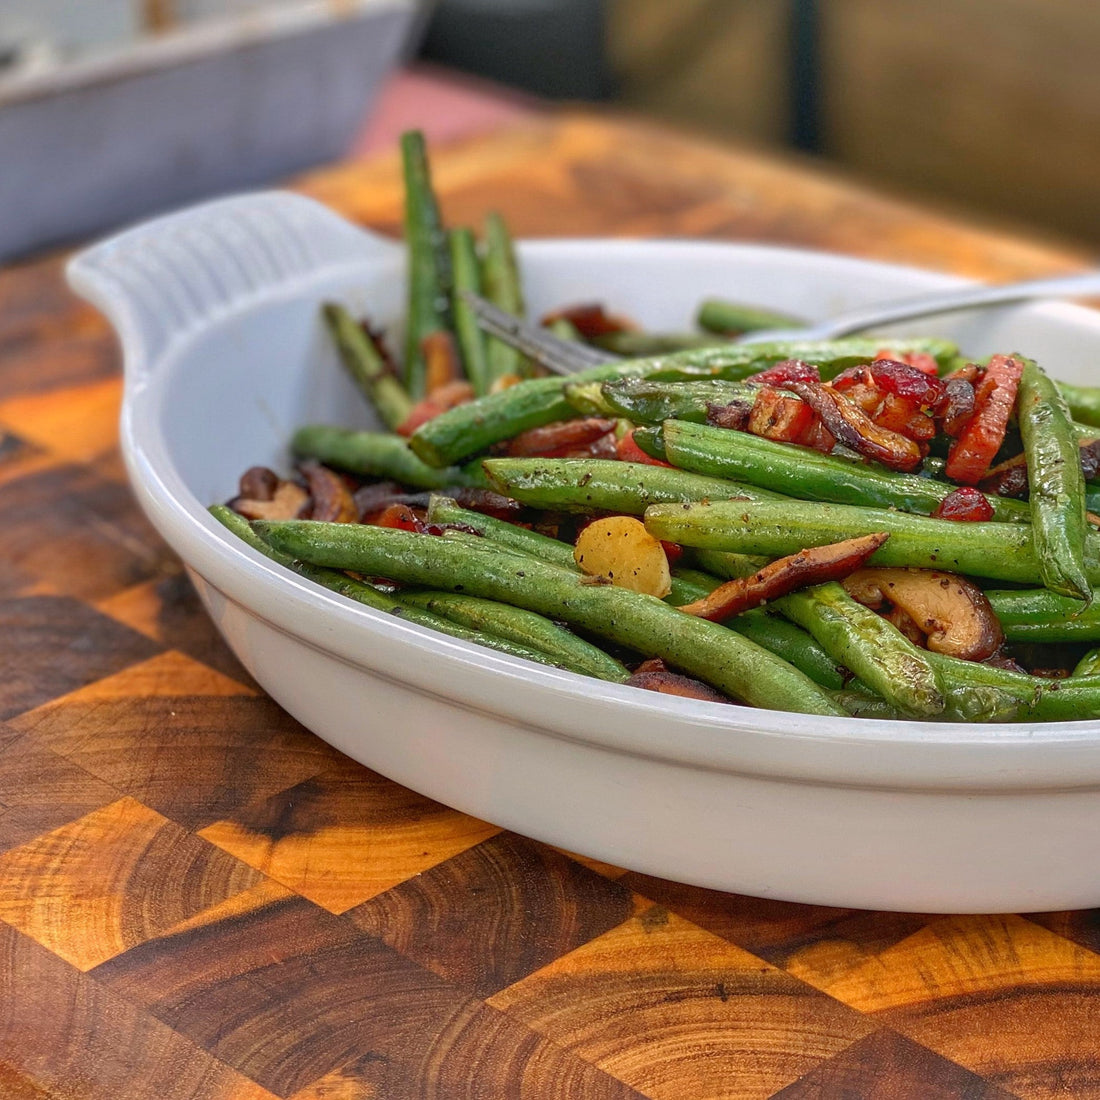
(469, 429)
(720, 657)
(805, 473)
(725, 503)
(443, 264)
(997, 551)
(485, 623)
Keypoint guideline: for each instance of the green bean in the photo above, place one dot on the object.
(999, 551)
(587, 399)
(781, 637)
(703, 649)
(984, 693)
(651, 400)
(429, 274)
(372, 454)
(727, 565)
(735, 362)
(443, 510)
(466, 274)
(368, 595)
(467, 429)
(790, 642)
(1089, 665)
(808, 474)
(718, 315)
(776, 635)
(638, 345)
(1016, 697)
(696, 584)
(525, 627)
(500, 278)
(1039, 615)
(652, 442)
(366, 366)
(1083, 403)
(605, 485)
(1055, 482)
(332, 579)
(861, 704)
(473, 476)
(874, 649)
(981, 692)
(1067, 701)
(646, 401)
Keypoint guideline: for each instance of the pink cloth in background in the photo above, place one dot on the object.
(444, 104)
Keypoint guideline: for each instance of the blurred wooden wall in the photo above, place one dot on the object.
(993, 104)
(716, 65)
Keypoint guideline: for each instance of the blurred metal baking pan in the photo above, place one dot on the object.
(219, 105)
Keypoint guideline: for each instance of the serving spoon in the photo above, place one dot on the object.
(567, 357)
(930, 305)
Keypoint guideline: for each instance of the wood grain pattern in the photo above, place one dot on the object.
(346, 835)
(40, 790)
(285, 993)
(201, 901)
(111, 879)
(659, 1003)
(193, 757)
(168, 610)
(887, 1066)
(67, 1037)
(578, 175)
(775, 930)
(77, 424)
(51, 645)
(469, 919)
(974, 989)
(68, 513)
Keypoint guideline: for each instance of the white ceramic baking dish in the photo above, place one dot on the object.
(216, 309)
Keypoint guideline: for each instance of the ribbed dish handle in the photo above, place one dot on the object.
(162, 279)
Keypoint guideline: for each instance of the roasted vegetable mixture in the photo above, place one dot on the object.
(872, 527)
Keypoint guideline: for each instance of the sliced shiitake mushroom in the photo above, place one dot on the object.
(812, 566)
(855, 429)
(654, 675)
(953, 615)
(264, 495)
(332, 499)
(258, 483)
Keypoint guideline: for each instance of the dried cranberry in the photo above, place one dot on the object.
(898, 378)
(966, 505)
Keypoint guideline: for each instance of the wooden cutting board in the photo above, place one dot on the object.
(200, 900)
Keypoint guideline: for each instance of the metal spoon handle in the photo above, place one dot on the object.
(558, 356)
(951, 301)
